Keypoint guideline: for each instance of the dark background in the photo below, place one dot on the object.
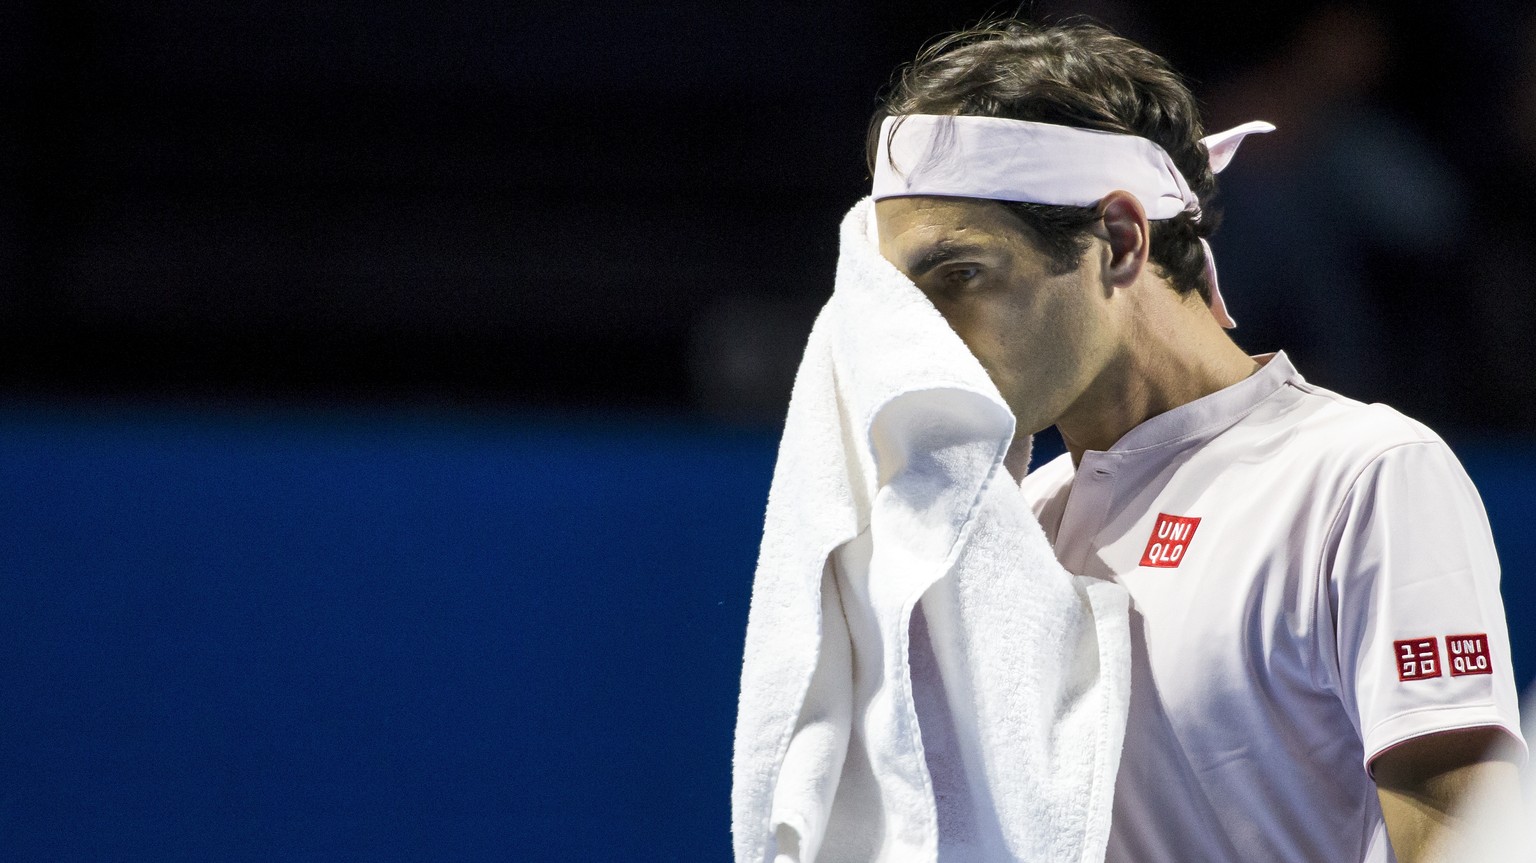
(625, 205)
(388, 392)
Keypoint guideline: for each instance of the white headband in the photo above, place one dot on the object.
(1018, 160)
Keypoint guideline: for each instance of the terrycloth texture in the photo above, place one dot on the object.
(890, 487)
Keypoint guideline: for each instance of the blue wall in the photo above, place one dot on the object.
(244, 636)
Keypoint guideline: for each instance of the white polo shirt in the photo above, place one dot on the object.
(1313, 581)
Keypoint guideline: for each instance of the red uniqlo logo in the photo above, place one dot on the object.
(1417, 658)
(1169, 539)
(1468, 654)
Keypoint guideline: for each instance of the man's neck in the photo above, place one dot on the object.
(1169, 363)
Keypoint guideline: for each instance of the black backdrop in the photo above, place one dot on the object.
(529, 203)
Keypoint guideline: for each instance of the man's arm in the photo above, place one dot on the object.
(1424, 783)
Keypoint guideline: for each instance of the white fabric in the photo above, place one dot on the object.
(890, 487)
(1018, 160)
(1222, 146)
(1000, 159)
(1265, 675)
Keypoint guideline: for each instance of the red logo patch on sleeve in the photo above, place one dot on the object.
(1169, 540)
(1468, 654)
(1417, 658)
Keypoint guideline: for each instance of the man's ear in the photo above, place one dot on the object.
(1125, 227)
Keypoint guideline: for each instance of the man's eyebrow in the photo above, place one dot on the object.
(942, 253)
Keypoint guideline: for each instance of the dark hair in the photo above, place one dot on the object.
(1075, 75)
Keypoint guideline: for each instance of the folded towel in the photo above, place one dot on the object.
(988, 725)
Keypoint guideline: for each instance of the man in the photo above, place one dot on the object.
(1320, 661)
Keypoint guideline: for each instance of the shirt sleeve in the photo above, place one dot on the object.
(1413, 579)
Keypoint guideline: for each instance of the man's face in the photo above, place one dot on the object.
(1042, 338)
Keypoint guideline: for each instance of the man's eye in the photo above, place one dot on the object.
(962, 275)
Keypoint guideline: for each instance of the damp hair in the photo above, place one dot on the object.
(1072, 75)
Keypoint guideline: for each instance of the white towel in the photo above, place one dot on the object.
(890, 487)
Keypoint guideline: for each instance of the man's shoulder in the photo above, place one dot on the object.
(1332, 426)
(1316, 449)
(1307, 434)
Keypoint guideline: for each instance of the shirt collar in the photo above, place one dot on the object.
(1211, 413)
